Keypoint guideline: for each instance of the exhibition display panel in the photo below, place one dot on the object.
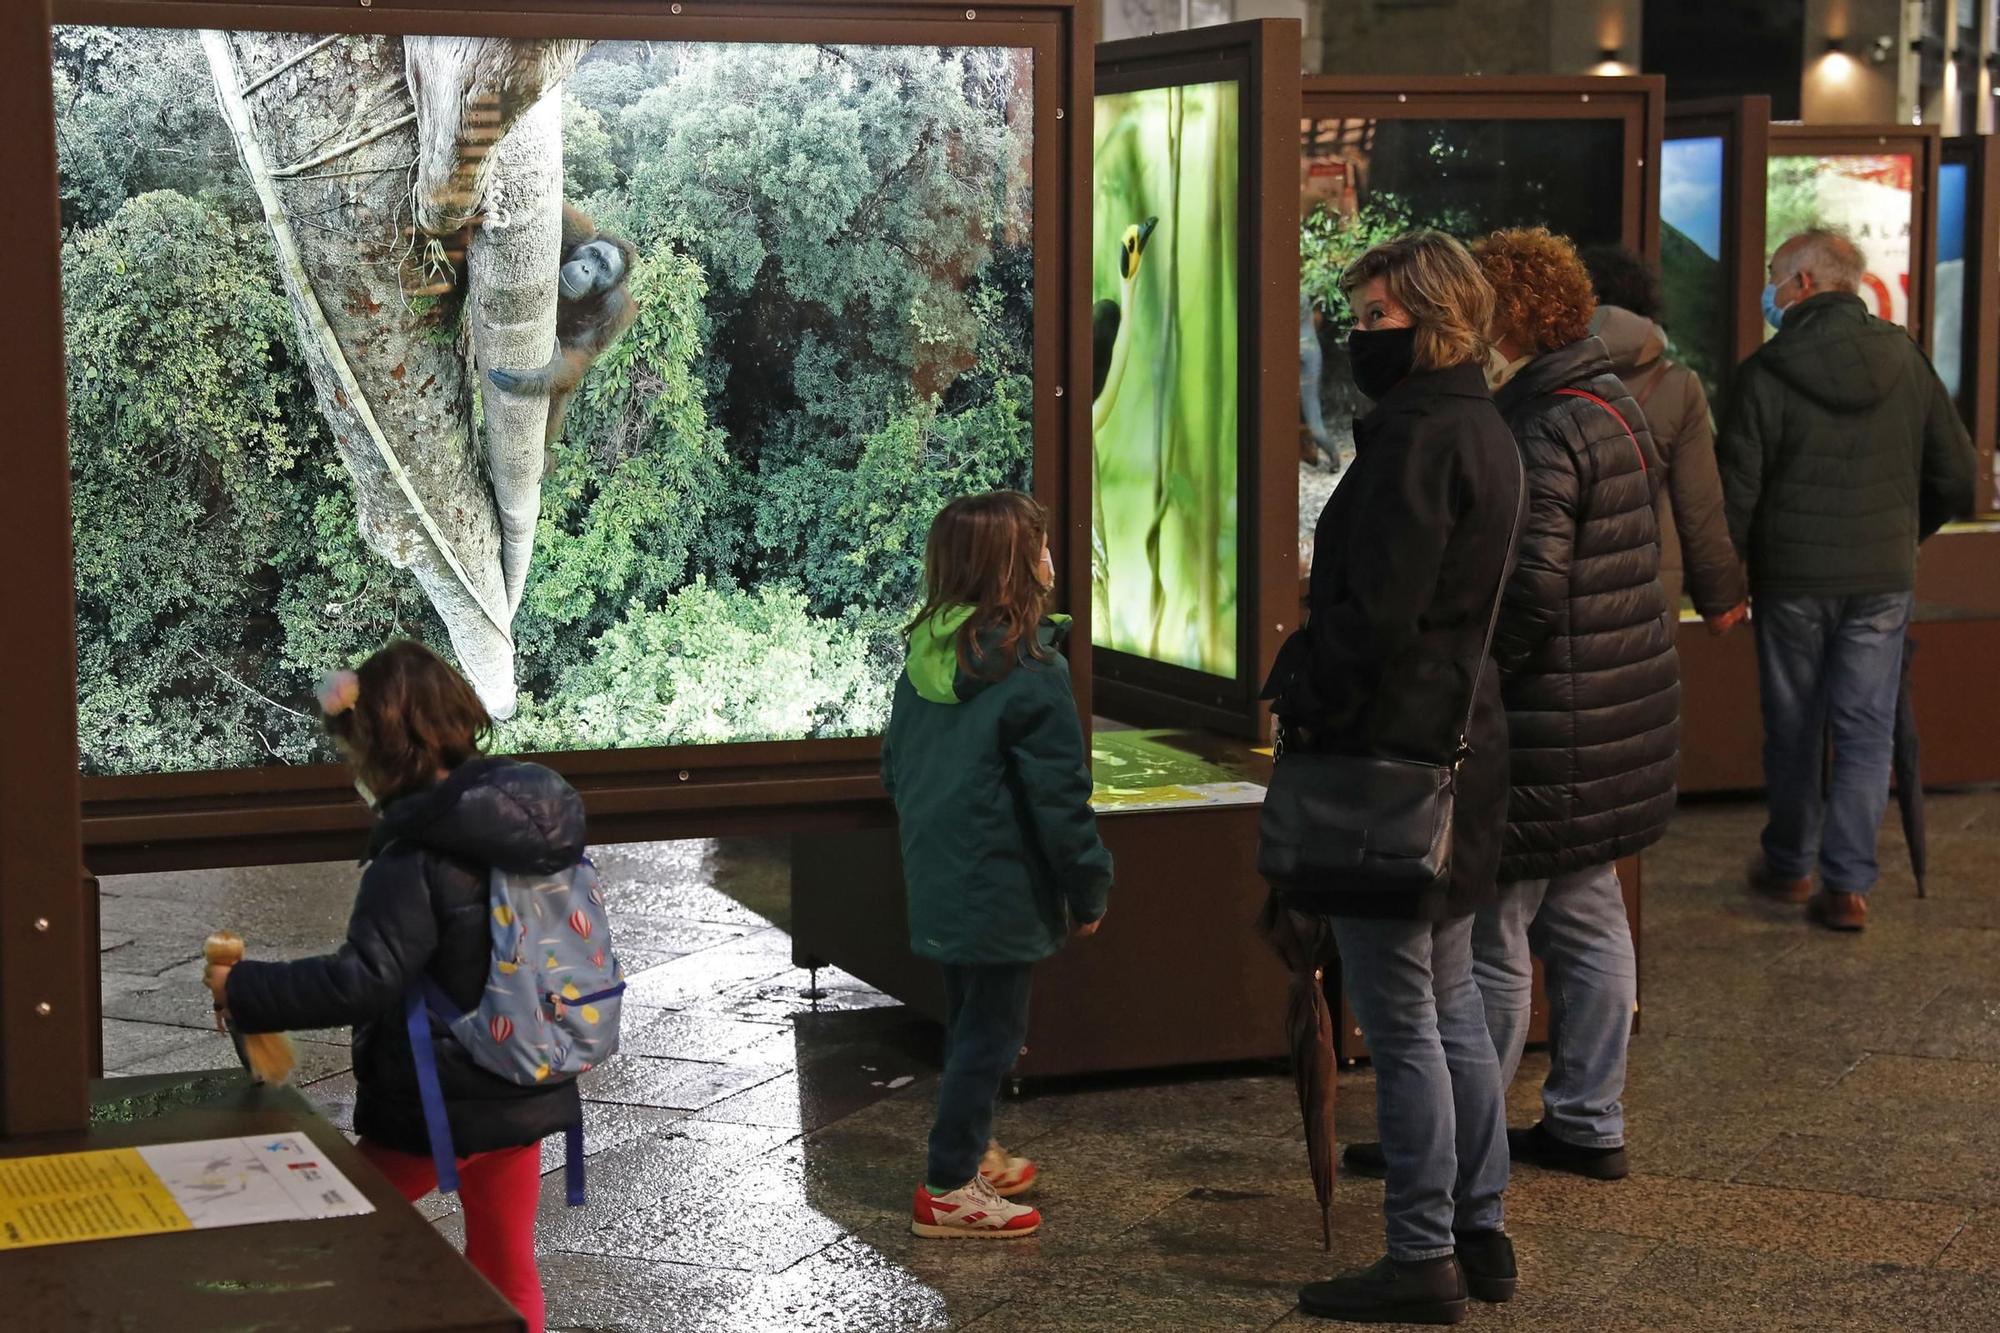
(1712, 234)
(1878, 185)
(1192, 260)
(1379, 156)
(667, 514)
(1966, 329)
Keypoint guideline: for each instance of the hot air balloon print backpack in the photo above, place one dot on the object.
(550, 1007)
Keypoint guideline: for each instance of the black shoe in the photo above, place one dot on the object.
(1365, 1159)
(1423, 1291)
(1537, 1147)
(1487, 1260)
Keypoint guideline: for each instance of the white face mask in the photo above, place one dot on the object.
(367, 797)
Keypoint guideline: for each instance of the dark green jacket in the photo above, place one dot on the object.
(1840, 451)
(1000, 848)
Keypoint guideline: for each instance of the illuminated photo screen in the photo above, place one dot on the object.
(1365, 181)
(1948, 318)
(1166, 323)
(1694, 282)
(1867, 196)
(627, 375)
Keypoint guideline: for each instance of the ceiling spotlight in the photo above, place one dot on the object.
(1881, 49)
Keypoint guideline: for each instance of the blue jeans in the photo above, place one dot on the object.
(1828, 666)
(1438, 1096)
(986, 1020)
(1576, 925)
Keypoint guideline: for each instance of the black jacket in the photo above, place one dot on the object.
(1585, 645)
(422, 909)
(1840, 451)
(1409, 554)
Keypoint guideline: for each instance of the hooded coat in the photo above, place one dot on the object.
(992, 786)
(422, 910)
(1409, 556)
(1585, 645)
(1695, 550)
(1840, 451)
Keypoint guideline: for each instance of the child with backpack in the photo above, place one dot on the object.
(477, 971)
(985, 759)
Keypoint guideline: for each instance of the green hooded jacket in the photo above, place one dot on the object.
(1840, 451)
(1000, 849)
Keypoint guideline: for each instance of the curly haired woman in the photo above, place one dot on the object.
(1592, 688)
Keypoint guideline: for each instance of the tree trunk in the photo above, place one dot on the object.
(469, 92)
(386, 367)
(512, 287)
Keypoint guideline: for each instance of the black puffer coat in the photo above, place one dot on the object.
(1585, 645)
(422, 909)
(1408, 556)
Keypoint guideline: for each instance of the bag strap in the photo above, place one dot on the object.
(1493, 619)
(1616, 415)
(417, 1016)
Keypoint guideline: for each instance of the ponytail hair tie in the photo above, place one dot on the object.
(338, 692)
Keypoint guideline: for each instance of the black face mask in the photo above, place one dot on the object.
(1381, 359)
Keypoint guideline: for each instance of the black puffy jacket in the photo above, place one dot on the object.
(1585, 646)
(422, 909)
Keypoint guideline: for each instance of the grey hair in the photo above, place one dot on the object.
(1834, 260)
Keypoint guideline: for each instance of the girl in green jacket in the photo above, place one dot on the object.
(985, 760)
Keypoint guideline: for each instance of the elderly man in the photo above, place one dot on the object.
(1840, 451)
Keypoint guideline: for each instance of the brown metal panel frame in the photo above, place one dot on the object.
(258, 815)
(1265, 55)
(1923, 143)
(1744, 126)
(1980, 367)
(47, 970)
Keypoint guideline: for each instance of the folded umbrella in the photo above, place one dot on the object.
(1908, 768)
(1305, 943)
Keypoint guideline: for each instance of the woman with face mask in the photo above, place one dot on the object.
(1410, 555)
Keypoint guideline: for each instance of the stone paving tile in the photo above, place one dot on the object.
(1811, 1223)
(681, 1085)
(1879, 1167)
(671, 1033)
(1976, 1249)
(127, 1043)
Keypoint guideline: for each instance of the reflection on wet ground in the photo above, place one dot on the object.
(1815, 1121)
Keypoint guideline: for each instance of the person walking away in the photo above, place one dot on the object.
(1840, 451)
(1592, 686)
(1695, 549)
(446, 816)
(985, 760)
(1412, 549)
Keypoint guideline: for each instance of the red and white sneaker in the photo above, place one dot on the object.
(972, 1211)
(1007, 1174)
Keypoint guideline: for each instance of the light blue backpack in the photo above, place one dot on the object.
(550, 1008)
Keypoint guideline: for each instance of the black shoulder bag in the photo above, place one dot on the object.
(1370, 821)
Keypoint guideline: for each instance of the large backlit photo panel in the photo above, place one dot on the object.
(1166, 322)
(1866, 196)
(323, 299)
(1694, 277)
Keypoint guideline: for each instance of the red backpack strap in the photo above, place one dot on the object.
(1616, 415)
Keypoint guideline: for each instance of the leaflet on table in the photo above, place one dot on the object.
(1127, 800)
(67, 1197)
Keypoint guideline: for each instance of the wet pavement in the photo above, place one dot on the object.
(1815, 1121)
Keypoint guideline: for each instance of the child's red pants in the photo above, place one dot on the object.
(500, 1191)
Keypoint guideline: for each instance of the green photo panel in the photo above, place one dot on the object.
(1165, 324)
(628, 375)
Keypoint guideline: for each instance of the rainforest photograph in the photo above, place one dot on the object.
(627, 375)
(1165, 325)
(1365, 181)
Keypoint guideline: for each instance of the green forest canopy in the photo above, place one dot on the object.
(835, 339)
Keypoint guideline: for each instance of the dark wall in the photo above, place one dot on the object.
(1726, 48)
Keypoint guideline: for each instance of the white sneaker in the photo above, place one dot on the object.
(1007, 1174)
(972, 1211)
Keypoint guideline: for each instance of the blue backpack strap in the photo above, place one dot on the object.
(573, 1162)
(416, 1014)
